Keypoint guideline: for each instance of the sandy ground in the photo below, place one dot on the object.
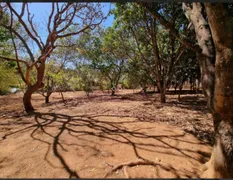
(88, 137)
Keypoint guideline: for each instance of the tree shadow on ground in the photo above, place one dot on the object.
(188, 101)
(51, 128)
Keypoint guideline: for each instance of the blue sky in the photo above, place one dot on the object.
(42, 10)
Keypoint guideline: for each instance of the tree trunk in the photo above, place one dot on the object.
(47, 98)
(180, 90)
(32, 88)
(27, 100)
(221, 162)
(49, 89)
(162, 97)
(162, 91)
(62, 96)
(112, 92)
(207, 56)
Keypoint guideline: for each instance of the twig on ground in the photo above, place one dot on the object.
(130, 163)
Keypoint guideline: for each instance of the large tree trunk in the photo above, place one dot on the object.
(32, 88)
(27, 100)
(206, 58)
(221, 163)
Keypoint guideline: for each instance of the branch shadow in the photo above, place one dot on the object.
(81, 126)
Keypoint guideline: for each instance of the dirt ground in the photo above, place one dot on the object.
(88, 137)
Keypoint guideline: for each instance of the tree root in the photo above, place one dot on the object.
(130, 163)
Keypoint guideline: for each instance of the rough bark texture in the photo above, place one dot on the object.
(221, 163)
(206, 58)
(217, 80)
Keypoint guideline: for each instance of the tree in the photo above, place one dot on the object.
(186, 70)
(215, 54)
(54, 71)
(138, 75)
(67, 19)
(8, 76)
(221, 163)
(87, 77)
(103, 54)
(156, 47)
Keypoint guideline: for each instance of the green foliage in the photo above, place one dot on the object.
(57, 78)
(187, 69)
(89, 78)
(152, 50)
(8, 78)
(103, 54)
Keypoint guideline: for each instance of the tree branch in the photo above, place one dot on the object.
(168, 25)
(32, 27)
(16, 60)
(24, 25)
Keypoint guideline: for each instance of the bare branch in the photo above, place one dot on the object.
(74, 33)
(65, 46)
(57, 17)
(50, 18)
(22, 40)
(24, 25)
(68, 24)
(23, 10)
(90, 26)
(16, 60)
(16, 52)
(32, 26)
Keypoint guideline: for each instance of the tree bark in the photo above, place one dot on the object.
(47, 98)
(221, 162)
(27, 100)
(162, 97)
(32, 88)
(206, 58)
(163, 89)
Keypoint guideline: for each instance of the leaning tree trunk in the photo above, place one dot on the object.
(32, 88)
(27, 100)
(27, 97)
(221, 163)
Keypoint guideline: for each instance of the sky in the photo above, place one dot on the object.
(42, 10)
